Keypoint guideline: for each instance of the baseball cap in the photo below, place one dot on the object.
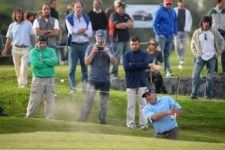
(119, 3)
(100, 34)
(42, 38)
(168, 1)
(147, 91)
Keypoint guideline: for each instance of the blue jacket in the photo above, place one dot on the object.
(135, 65)
(165, 22)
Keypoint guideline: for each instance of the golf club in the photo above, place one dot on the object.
(180, 67)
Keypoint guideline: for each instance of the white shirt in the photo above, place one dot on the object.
(79, 24)
(97, 11)
(206, 39)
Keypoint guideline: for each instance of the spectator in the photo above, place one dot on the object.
(69, 9)
(135, 63)
(99, 56)
(43, 61)
(79, 31)
(53, 12)
(184, 23)
(1, 40)
(20, 34)
(206, 45)
(218, 16)
(109, 11)
(165, 28)
(60, 48)
(162, 112)
(153, 74)
(47, 25)
(122, 23)
(30, 16)
(98, 18)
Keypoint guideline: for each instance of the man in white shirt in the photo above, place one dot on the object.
(184, 23)
(206, 44)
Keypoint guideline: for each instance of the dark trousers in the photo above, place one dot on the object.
(172, 134)
(103, 88)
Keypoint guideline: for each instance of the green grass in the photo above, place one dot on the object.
(65, 141)
(201, 121)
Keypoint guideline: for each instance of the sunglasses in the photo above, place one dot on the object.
(168, 4)
(152, 44)
(205, 36)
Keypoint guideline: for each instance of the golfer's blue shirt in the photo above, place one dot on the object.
(163, 104)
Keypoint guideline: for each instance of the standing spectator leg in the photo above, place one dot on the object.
(37, 91)
(118, 48)
(209, 78)
(104, 96)
(89, 97)
(141, 101)
(131, 105)
(49, 98)
(72, 62)
(199, 64)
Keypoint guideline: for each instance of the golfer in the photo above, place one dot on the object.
(162, 112)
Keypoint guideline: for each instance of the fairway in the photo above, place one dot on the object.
(81, 140)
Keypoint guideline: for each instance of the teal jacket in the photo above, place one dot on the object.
(43, 62)
(218, 19)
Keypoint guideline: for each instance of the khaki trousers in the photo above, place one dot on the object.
(132, 94)
(20, 60)
(42, 87)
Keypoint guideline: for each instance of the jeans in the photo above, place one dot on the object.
(104, 88)
(223, 56)
(223, 61)
(120, 48)
(165, 45)
(180, 44)
(76, 52)
(199, 64)
(60, 53)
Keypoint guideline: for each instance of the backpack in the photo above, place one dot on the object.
(112, 29)
(69, 17)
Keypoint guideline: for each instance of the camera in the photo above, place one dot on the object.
(100, 48)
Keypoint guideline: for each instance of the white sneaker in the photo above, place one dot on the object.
(181, 62)
(72, 91)
(168, 74)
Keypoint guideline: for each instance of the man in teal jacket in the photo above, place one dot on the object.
(218, 22)
(43, 61)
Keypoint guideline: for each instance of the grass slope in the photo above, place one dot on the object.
(79, 140)
(201, 121)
